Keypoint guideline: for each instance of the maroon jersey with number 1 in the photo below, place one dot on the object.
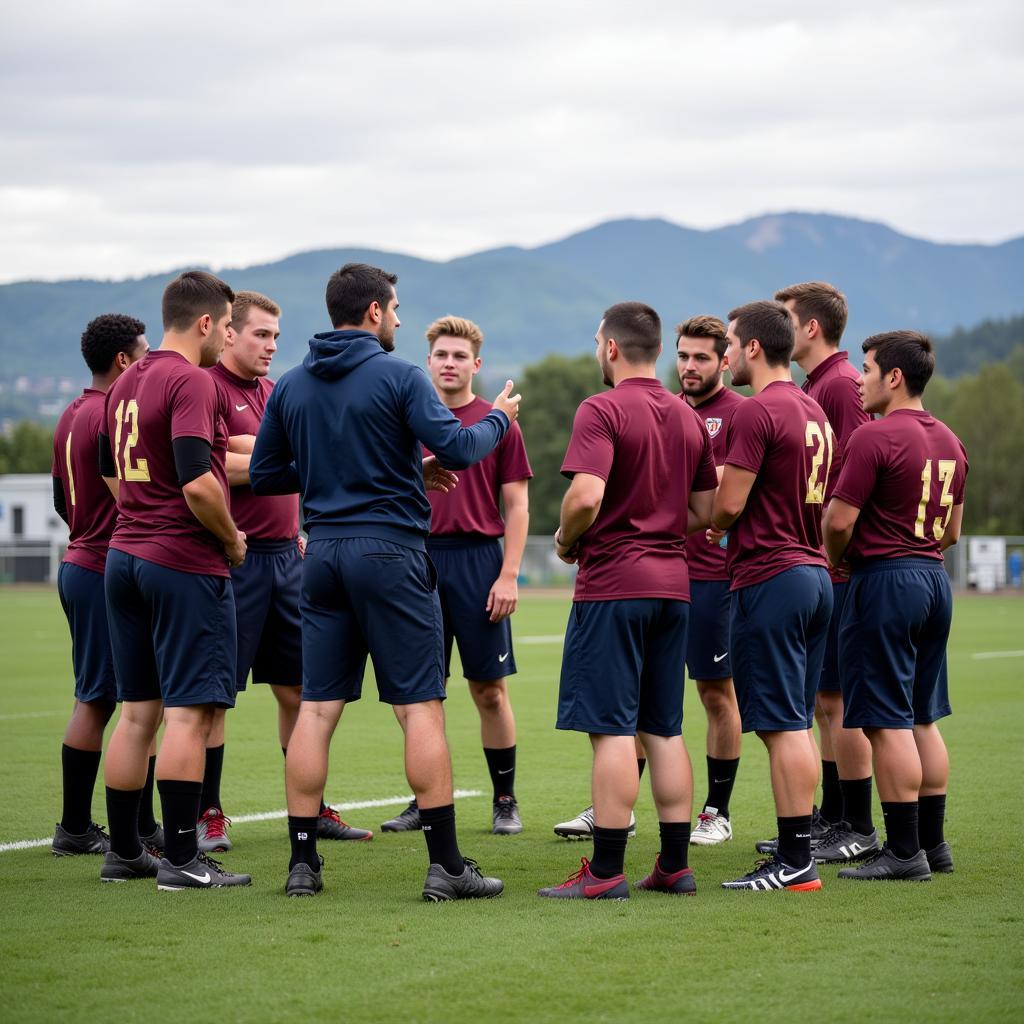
(90, 504)
(905, 472)
(784, 437)
(158, 399)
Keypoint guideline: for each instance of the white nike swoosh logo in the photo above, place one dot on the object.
(185, 831)
(239, 408)
(502, 657)
(786, 879)
(204, 877)
(505, 771)
(719, 657)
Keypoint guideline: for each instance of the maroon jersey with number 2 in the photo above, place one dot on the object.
(905, 472)
(156, 400)
(785, 438)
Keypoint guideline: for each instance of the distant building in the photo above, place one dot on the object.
(32, 536)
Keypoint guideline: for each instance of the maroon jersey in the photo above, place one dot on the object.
(651, 450)
(784, 437)
(905, 472)
(156, 400)
(260, 518)
(90, 505)
(707, 561)
(473, 506)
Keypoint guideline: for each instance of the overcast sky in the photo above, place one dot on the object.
(139, 137)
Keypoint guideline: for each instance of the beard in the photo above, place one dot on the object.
(387, 338)
(701, 389)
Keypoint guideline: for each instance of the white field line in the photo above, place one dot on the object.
(554, 638)
(353, 805)
(986, 655)
(32, 714)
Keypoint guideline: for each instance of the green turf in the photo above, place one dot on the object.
(368, 949)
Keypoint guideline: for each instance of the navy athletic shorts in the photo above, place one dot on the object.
(892, 644)
(777, 633)
(172, 633)
(362, 596)
(707, 644)
(466, 570)
(81, 597)
(829, 681)
(267, 586)
(622, 667)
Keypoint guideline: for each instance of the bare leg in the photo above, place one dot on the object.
(794, 772)
(615, 781)
(308, 750)
(88, 720)
(127, 762)
(897, 764)
(428, 765)
(182, 756)
(934, 760)
(725, 737)
(671, 777)
(497, 723)
(289, 699)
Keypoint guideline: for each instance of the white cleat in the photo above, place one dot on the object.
(712, 828)
(582, 826)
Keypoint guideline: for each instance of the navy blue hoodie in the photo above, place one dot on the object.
(345, 428)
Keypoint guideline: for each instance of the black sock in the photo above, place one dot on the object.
(79, 768)
(147, 820)
(795, 840)
(721, 779)
(180, 802)
(439, 832)
(641, 764)
(675, 844)
(857, 804)
(931, 816)
(901, 828)
(211, 779)
(302, 832)
(831, 795)
(123, 819)
(501, 763)
(609, 851)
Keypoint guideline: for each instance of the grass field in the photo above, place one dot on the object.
(369, 949)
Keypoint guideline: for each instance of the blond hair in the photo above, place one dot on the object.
(456, 327)
(244, 301)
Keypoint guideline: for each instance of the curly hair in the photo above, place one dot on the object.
(107, 335)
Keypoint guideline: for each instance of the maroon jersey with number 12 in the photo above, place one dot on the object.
(158, 399)
(905, 472)
(90, 504)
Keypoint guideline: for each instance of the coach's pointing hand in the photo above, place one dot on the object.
(508, 403)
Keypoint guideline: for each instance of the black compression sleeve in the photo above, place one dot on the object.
(106, 457)
(60, 505)
(191, 458)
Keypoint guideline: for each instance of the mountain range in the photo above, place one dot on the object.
(534, 301)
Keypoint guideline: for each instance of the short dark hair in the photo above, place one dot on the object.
(704, 326)
(771, 324)
(107, 335)
(909, 351)
(191, 295)
(352, 289)
(636, 329)
(821, 301)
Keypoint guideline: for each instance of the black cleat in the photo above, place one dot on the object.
(124, 869)
(93, 840)
(440, 887)
(202, 873)
(506, 820)
(304, 880)
(841, 844)
(940, 859)
(886, 866)
(154, 842)
(771, 875)
(819, 828)
(407, 821)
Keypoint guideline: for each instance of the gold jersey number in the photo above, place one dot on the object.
(127, 416)
(821, 441)
(947, 470)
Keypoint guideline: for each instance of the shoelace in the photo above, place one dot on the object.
(573, 879)
(760, 866)
(505, 809)
(331, 813)
(216, 825)
(706, 821)
(205, 858)
(473, 866)
(833, 835)
(95, 829)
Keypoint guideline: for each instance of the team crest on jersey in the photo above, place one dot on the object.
(714, 424)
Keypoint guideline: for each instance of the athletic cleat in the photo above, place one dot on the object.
(770, 875)
(841, 844)
(304, 880)
(819, 826)
(712, 828)
(886, 866)
(582, 826)
(407, 821)
(440, 887)
(154, 842)
(585, 885)
(940, 859)
(92, 840)
(330, 826)
(201, 873)
(125, 869)
(506, 817)
(212, 831)
(681, 883)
